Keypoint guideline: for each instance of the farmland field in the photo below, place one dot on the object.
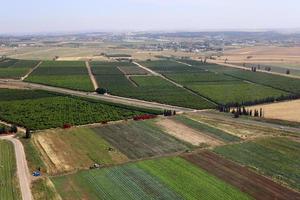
(9, 185)
(132, 70)
(167, 178)
(214, 82)
(15, 69)
(288, 110)
(150, 88)
(274, 157)
(55, 111)
(235, 92)
(66, 150)
(43, 189)
(66, 74)
(279, 82)
(246, 180)
(209, 130)
(242, 128)
(140, 139)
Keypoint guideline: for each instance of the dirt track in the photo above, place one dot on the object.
(241, 177)
(92, 77)
(22, 167)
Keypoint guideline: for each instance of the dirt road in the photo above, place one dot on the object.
(92, 77)
(22, 167)
(30, 71)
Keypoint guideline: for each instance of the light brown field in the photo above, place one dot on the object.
(242, 129)
(186, 133)
(264, 55)
(66, 150)
(289, 110)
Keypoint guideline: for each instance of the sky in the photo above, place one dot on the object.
(44, 16)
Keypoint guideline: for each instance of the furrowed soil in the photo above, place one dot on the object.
(241, 177)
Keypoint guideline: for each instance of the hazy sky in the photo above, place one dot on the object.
(25, 16)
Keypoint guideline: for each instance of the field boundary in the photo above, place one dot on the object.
(176, 84)
(91, 75)
(31, 70)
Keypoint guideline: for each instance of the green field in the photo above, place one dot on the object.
(209, 130)
(149, 88)
(279, 82)
(65, 74)
(215, 82)
(167, 178)
(9, 187)
(140, 139)
(235, 92)
(44, 110)
(274, 157)
(15, 69)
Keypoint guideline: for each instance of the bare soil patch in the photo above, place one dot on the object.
(289, 110)
(186, 133)
(257, 186)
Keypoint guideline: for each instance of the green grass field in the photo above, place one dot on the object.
(9, 186)
(65, 74)
(274, 157)
(167, 178)
(140, 139)
(15, 69)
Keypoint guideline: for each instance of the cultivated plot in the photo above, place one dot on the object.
(246, 180)
(53, 111)
(76, 148)
(65, 74)
(9, 183)
(149, 88)
(15, 69)
(214, 82)
(168, 178)
(277, 158)
(140, 139)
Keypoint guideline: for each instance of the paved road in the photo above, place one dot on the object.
(22, 167)
(108, 98)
